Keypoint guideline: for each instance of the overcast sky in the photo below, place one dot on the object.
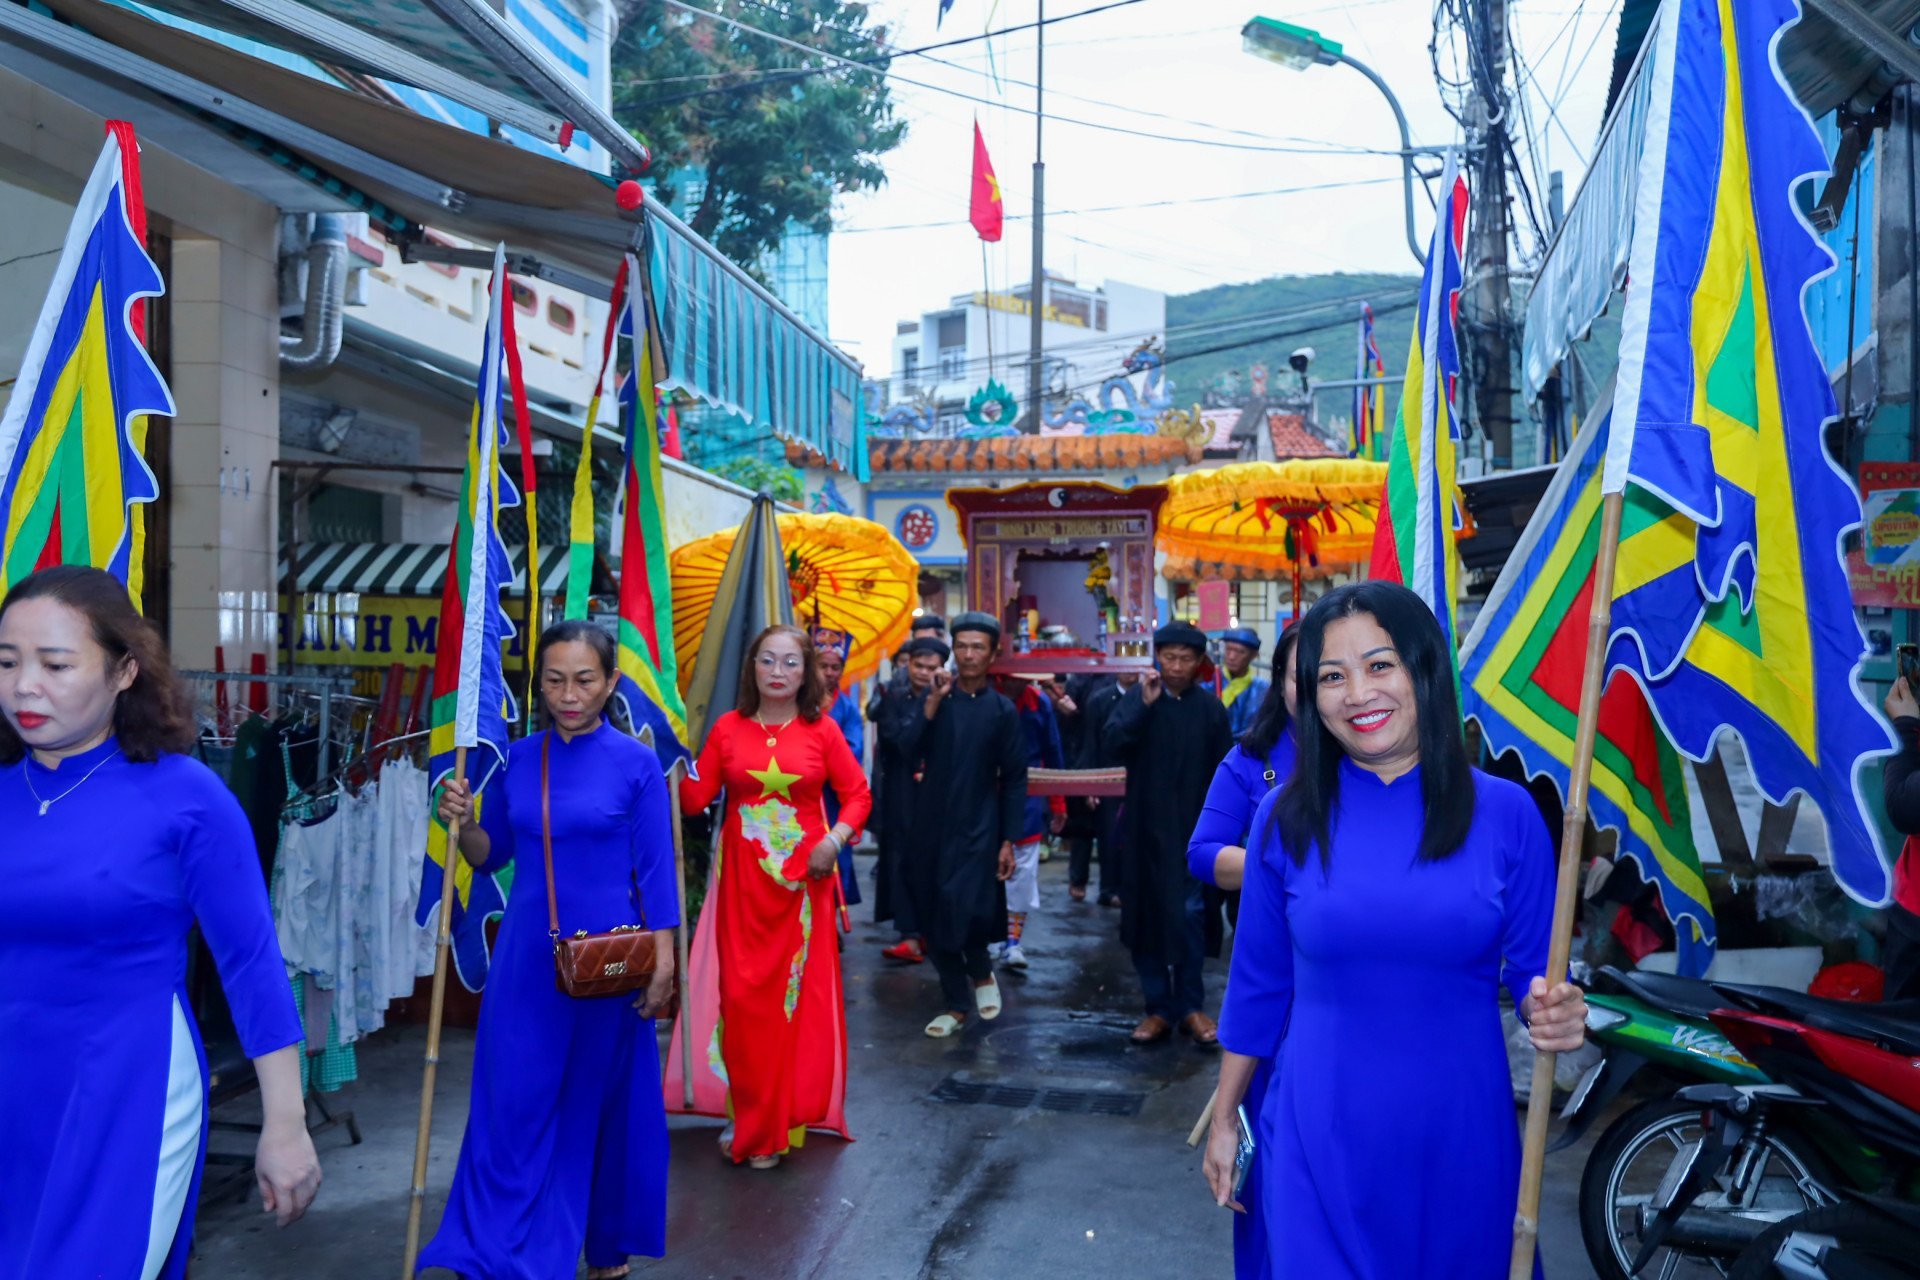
(1136, 66)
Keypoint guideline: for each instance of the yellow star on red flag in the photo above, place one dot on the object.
(772, 781)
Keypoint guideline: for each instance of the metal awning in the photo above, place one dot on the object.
(461, 49)
(404, 569)
(730, 341)
(1839, 51)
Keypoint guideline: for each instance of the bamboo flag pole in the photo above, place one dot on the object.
(1526, 1219)
(682, 941)
(416, 1199)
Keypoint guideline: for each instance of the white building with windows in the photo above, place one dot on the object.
(1087, 334)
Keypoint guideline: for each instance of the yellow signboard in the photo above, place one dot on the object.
(346, 629)
(1018, 306)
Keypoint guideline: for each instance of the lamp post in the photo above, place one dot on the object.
(1298, 48)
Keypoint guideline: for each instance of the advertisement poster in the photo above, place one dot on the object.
(1885, 570)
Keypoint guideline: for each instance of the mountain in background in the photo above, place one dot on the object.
(1228, 329)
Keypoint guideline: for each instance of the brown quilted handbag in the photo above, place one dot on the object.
(591, 964)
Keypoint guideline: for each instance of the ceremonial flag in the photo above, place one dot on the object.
(472, 704)
(1413, 542)
(72, 474)
(1520, 673)
(1731, 604)
(987, 211)
(1368, 436)
(580, 536)
(649, 670)
(529, 470)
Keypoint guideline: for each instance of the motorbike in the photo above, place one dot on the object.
(1652, 1024)
(1760, 1155)
(1861, 1065)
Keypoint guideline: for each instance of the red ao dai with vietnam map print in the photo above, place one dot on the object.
(764, 1005)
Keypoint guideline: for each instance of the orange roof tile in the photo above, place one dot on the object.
(1030, 453)
(1292, 438)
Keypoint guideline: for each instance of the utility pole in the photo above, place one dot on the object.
(1037, 292)
(1489, 303)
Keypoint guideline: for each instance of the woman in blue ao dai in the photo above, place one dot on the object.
(1259, 764)
(566, 1142)
(1387, 880)
(118, 844)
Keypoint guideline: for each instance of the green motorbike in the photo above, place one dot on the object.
(1656, 1025)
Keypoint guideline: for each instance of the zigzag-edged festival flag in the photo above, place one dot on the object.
(1520, 672)
(1731, 603)
(649, 670)
(472, 704)
(580, 533)
(1420, 510)
(1368, 436)
(72, 474)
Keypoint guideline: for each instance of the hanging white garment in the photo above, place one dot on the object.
(306, 905)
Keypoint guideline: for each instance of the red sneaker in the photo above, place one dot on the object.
(907, 951)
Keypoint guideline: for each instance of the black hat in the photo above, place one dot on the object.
(974, 620)
(1181, 633)
(928, 644)
(928, 622)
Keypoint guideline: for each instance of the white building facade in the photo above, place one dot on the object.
(947, 355)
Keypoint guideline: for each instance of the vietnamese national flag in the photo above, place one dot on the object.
(987, 212)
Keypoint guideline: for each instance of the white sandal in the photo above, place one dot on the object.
(987, 999)
(945, 1025)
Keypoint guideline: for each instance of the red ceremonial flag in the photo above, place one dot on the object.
(987, 213)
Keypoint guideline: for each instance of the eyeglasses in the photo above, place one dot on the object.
(788, 662)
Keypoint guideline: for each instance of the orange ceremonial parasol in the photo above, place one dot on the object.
(847, 575)
(1304, 517)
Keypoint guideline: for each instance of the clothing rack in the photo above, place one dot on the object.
(327, 691)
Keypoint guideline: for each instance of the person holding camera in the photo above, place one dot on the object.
(1900, 779)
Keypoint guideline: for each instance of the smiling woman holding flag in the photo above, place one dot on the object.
(1391, 891)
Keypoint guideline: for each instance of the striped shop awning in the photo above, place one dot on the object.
(404, 568)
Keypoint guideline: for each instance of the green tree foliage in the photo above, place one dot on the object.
(773, 478)
(1330, 327)
(775, 150)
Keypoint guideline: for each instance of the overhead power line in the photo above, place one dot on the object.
(1128, 208)
(870, 69)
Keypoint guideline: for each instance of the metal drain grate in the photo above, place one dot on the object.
(1079, 1102)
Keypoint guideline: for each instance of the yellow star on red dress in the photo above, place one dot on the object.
(772, 781)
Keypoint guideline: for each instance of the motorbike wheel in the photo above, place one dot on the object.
(1874, 1246)
(1625, 1169)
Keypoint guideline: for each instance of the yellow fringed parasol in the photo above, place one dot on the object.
(847, 575)
(1304, 517)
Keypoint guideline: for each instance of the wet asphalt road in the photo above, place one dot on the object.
(1043, 1144)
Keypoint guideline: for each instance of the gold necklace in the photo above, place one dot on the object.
(772, 730)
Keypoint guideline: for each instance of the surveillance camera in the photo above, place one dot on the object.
(1300, 359)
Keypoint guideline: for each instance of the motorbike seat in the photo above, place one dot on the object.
(1895, 1024)
(1685, 997)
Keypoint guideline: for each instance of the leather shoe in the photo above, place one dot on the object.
(1205, 1032)
(1152, 1027)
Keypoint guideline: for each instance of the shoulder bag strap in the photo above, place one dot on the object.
(546, 836)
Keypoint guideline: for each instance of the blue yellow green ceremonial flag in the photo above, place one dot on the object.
(472, 703)
(1413, 542)
(72, 474)
(649, 670)
(1368, 437)
(1520, 675)
(580, 535)
(1731, 604)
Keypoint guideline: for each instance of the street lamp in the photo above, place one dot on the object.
(1298, 48)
